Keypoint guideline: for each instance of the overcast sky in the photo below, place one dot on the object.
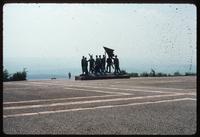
(54, 37)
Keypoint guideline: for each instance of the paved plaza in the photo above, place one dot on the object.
(139, 106)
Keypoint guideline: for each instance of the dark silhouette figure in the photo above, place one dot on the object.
(69, 75)
(97, 65)
(103, 63)
(82, 64)
(91, 60)
(116, 63)
(86, 66)
(100, 64)
(109, 64)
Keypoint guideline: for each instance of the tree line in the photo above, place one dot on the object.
(16, 76)
(159, 74)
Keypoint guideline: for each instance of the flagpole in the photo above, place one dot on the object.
(105, 55)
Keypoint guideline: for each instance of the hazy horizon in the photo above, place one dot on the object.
(52, 38)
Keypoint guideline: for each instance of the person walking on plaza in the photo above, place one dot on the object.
(69, 75)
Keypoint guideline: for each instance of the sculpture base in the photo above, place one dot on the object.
(104, 76)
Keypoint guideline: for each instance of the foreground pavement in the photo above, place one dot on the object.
(136, 106)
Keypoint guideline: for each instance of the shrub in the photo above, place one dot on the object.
(19, 76)
(144, 74)
(161, 74)
(133, 74)
(6, 75)
(177, 73)
(169, 75)
(123, 72)
(190, 74)
(152, 73)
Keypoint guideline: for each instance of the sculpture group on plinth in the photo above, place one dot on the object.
(100, 65)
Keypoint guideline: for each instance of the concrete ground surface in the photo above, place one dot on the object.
(136, 106)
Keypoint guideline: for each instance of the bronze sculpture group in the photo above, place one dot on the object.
(100, 65)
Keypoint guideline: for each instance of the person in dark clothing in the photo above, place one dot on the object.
(91, 60)
(109, 63)
(69, 75)
(103, 63)
(82, 64)
(116, 63)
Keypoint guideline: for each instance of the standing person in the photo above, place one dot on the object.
(103, 62)
(109, 63)
(91, 60)
(86, 66)
(82, 64)
(69, 75)
(116, 63)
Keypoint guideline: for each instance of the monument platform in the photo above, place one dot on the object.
(103, 76)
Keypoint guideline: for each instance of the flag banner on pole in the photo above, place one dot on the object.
(109, 51)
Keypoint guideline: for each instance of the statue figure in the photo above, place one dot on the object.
(103, 63)
(97, 65)
(82, 64)
(86, 66)
(116, 63)
(109, 64)
(100, 64)
(91, 60)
